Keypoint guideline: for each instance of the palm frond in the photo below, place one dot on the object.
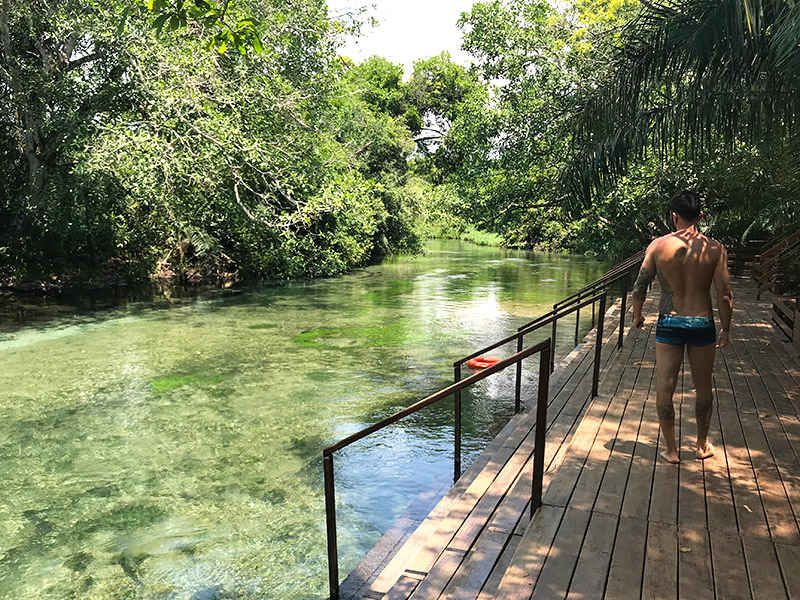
(691, 75)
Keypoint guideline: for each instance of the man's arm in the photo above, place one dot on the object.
(722, 283)
(646, 274)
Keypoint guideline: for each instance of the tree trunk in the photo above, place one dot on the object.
(27, 123)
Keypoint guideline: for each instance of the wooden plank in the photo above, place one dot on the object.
(556, 574)
(640, 478)
(730, 570)
(441, 571)
(357, 583)
(661, 562)
(483, 471)
(664, 496)
(783, 309)
(748, 485)
(762, 567)
(627, 560)
(403, 589)
(785, 394)
(475, 479)
(581, 446)
(490, 587)
(695, 579)
(459, 530)
(562, 483)
(750, 514)
(779, 432)
(594, 471)
(589, 579)
(507, 520)
(786, 328)
(615, 480)
(534, 547)
(789, 557)
(475, 569)
(720, 511)
(755, 405)
(691, 488)
(796, 331)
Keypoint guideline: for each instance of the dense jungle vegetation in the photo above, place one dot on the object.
(200, 138)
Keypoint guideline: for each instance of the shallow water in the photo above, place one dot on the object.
(170, 449)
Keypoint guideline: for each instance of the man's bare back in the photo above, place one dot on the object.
(686, 263)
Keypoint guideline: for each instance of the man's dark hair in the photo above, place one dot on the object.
(686, 204)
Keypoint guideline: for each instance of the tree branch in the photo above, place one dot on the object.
(82, 61)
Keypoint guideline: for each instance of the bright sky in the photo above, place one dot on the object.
(407, 30)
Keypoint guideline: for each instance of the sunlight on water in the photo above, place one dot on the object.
(175, 453)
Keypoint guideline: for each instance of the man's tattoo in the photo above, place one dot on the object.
(641, 285)
(665, 306)
(702, 412)
(666, 412)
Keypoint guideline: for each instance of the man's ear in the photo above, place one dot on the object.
(701, 215)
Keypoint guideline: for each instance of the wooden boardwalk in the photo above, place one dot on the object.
(617, 522)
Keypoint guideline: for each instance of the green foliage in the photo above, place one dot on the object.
(135, 145)
(690, 78)
(154, 154)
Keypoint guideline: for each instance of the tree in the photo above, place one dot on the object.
(151, 154)
(438, 90)
(689, 78)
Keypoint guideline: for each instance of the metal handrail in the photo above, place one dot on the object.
(564, 307)
(612, 275)
(545, 320)
(544, 347)
(570, 304)
(518, 337)
(625, 265)
(576, 301)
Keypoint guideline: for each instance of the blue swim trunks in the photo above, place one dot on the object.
(678, 329)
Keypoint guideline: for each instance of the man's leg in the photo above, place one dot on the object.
(701, 361)
(668, 363)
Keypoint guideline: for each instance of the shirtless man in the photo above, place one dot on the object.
(686, 263)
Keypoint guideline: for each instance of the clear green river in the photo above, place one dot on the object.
(170, 448)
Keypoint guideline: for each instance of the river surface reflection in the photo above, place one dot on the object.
(169, 448)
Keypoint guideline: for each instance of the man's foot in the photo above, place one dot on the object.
(705, 451)
(671, 457)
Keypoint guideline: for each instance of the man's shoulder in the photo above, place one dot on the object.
(660, 242)
(713, 244)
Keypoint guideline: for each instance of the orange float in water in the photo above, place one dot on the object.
(481, 362)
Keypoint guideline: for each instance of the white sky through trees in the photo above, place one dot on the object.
(408, 30)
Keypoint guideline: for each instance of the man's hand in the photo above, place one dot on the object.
(724, 339)
(638, 321)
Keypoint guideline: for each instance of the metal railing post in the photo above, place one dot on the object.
(330, 520)
(457, 452)
(457, 428)
(518, 381)
(541, 427)
(598, 347)
(623, 309)
(553, 342)
(577, 324)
